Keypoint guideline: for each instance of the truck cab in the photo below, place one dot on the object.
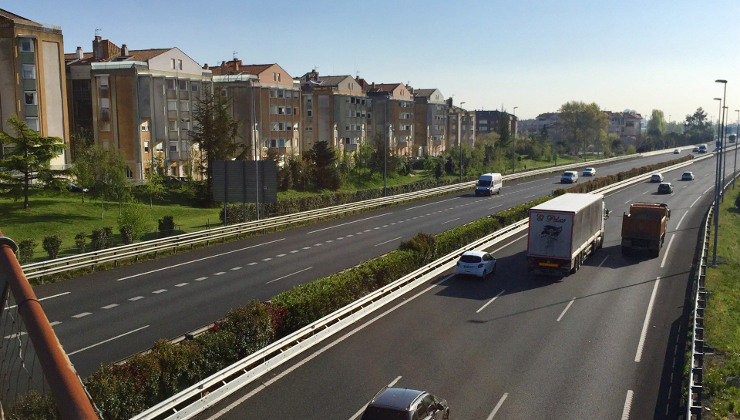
(643, 228)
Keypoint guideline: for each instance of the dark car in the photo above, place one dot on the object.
(406, 404)
(665, 188)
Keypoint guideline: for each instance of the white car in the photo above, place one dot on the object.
(687, 176)
(676, 151)
(476, 263)
(569, 177)
(589, 172)
(656, 177)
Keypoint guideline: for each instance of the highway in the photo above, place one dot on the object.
(605, 342)
(109, 315)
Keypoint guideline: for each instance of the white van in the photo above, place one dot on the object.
(489, 184)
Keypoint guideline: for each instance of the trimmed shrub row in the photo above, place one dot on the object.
(146, 379)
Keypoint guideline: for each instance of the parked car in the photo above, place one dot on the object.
(476, 263)
(76, 188)
(589, 172)
(656, 177)
(569, 177)
(676, 151)
(687, 176)
(695, 149)
(405, 404)
(665, 188)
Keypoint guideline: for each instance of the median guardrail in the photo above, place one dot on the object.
(220, 385)
(173, 243)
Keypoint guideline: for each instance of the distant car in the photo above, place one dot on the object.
(676, 151)
(76, 188)
(695, 149)
(687, 176)
(569, 177)
(589, 172)
(476, 263)
(405, 404)
(665, 188)
(657, 177)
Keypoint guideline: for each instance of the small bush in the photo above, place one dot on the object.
(423, 243)
(107, 237)
(34, 406)
(51, 245)
(133, 222)
(80, 241)
(25, 250)
(98, 239)
(166, 225)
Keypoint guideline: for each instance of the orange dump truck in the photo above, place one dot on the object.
(643, 229)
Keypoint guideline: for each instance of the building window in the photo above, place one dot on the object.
(272, 93)
(280, 93)
(146, 147)
(194, 87)
(273, 143)
(173, 146)
(288, 110)
(172, 105)
(183, 83)
(145, 125)
(32, 123)
(295, 94)
(173, 170)
(185, 124)
(281, 143)
(26, 45)
(30, 97)
(179, 64)
(28, 71)
(309, 113)
(171, 83)
(173, 64)
(184, 106)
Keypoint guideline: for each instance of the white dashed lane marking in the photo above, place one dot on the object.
(156, 292)
(219, 273)
(203, 278)
(280, 255)
(135, 298)
(112, 305)
(181, 284)
(236, 268)
(78, 316)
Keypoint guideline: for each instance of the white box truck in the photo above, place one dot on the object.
(564, 231)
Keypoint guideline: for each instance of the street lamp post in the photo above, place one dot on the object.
(737, 137)
(718, 182)
(722, 151)
(513, 146)
(460, 143)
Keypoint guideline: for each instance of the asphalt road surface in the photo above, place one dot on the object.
(605, 342)
(109, 315)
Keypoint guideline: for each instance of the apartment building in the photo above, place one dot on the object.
(460, 126)
(490, 122)
(266, 102)
(545, 123)
(335, 109)
(626, 125)
(430, 122)
(32, 83)
(391, 116)
(138, 102)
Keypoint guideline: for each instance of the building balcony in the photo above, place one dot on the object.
(184, 94)
(171, 94)
(172, 135)
(352, 147)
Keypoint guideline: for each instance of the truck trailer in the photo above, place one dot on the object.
(643, 229)
(563, 232)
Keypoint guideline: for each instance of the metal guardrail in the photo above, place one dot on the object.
(220, 385)
(90, 259)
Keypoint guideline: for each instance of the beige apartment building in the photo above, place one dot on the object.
(139, 102)
(391, 115)
(460, 126)
(266, 102)
(430, 122)
(32, 83)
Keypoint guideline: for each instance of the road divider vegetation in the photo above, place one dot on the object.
(126, 389)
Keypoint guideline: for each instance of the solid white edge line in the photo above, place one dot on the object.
(490, 301)
(105, 341)
(665, 255)
(361, 410)
(643, 334)
(566, 309)
(602, 263)
(199, 259)
(627, 405)
(385, 242)
(288, 275)
(697, 199)
(348, 223)
(44, 298)
(682, 217)
(318, 352)
(498, 405)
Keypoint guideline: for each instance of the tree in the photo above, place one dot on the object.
(104, 172)
(656, 125)
(27, 154)
(697, 128)
(215, 132)
(583, 125)
(154, 187)
(323, 159)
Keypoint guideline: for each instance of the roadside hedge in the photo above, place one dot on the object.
(123, 390)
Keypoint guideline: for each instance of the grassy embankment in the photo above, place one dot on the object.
(722, 315)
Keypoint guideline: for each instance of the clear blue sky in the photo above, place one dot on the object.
(535, 55)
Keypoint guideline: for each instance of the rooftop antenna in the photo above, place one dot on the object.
(97, 31)
(234, 54)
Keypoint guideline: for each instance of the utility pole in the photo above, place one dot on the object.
(513, 145)
(460, 141)
(718, 182)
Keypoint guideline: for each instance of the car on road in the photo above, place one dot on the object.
(695, 149)
(665, 188)
(589, 172)
(676, 151)
(687, 176)
(656, 177)
(569, 177)
(476, 263)
(405, 404)
(489, 184)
